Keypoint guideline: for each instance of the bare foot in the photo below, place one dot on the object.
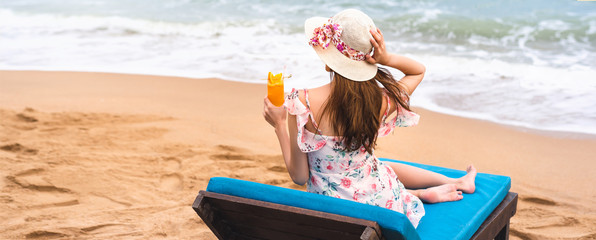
(467, 183)
(442, 193)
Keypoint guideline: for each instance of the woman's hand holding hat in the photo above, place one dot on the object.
(380, 54)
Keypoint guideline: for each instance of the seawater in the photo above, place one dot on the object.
(524, 63)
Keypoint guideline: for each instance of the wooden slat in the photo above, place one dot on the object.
(283, 211)
(233, 217)
(249, 230)
(298, 218)
(291, 227)
(294, 220)
(498, 220)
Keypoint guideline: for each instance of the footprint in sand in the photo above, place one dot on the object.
(6, 199)
(555, 221)
(226, 152)
(277, 182)
(280, 169)
(18, 148)
(555, 228)
(171, 182)
(231, 156)
(229, 148)
(32, 179)
(107, 200)
(538, 200)
(171, 164)
(26, 118)
(44, 194)
(543, 220)
(24, 121)
(107, 230)
(41, 234)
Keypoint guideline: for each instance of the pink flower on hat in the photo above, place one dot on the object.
(331, 33)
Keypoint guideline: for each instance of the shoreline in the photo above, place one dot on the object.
(115, 143)
(544, 132)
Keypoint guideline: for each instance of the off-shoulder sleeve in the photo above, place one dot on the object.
(294, 105)
(404, 118)
(307, 142)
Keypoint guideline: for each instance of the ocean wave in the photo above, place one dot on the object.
(527, 40)
(518, 94)
(114, 25)
(536, 73)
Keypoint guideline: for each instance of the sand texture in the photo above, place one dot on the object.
(97, 155)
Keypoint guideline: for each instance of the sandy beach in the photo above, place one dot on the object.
(100, 155)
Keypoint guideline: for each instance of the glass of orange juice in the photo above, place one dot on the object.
(275, 88)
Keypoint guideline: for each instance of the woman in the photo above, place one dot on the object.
(328, 139)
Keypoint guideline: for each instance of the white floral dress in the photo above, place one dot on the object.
(356, 175)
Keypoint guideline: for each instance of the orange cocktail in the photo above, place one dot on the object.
(275, 89)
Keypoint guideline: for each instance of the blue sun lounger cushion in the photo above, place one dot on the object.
(461, 219)
(452, 220)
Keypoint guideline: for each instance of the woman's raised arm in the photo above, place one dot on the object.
(413, 70)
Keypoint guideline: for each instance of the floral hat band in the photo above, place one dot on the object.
(348, 26)
(331, 33)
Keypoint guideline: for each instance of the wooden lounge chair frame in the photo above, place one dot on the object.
(232, 217)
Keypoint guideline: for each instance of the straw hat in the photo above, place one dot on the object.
(342, 41)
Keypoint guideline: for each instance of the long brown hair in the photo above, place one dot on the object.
(353, 108)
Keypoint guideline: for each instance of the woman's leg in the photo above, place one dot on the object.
(442, 193)
(417, 178)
